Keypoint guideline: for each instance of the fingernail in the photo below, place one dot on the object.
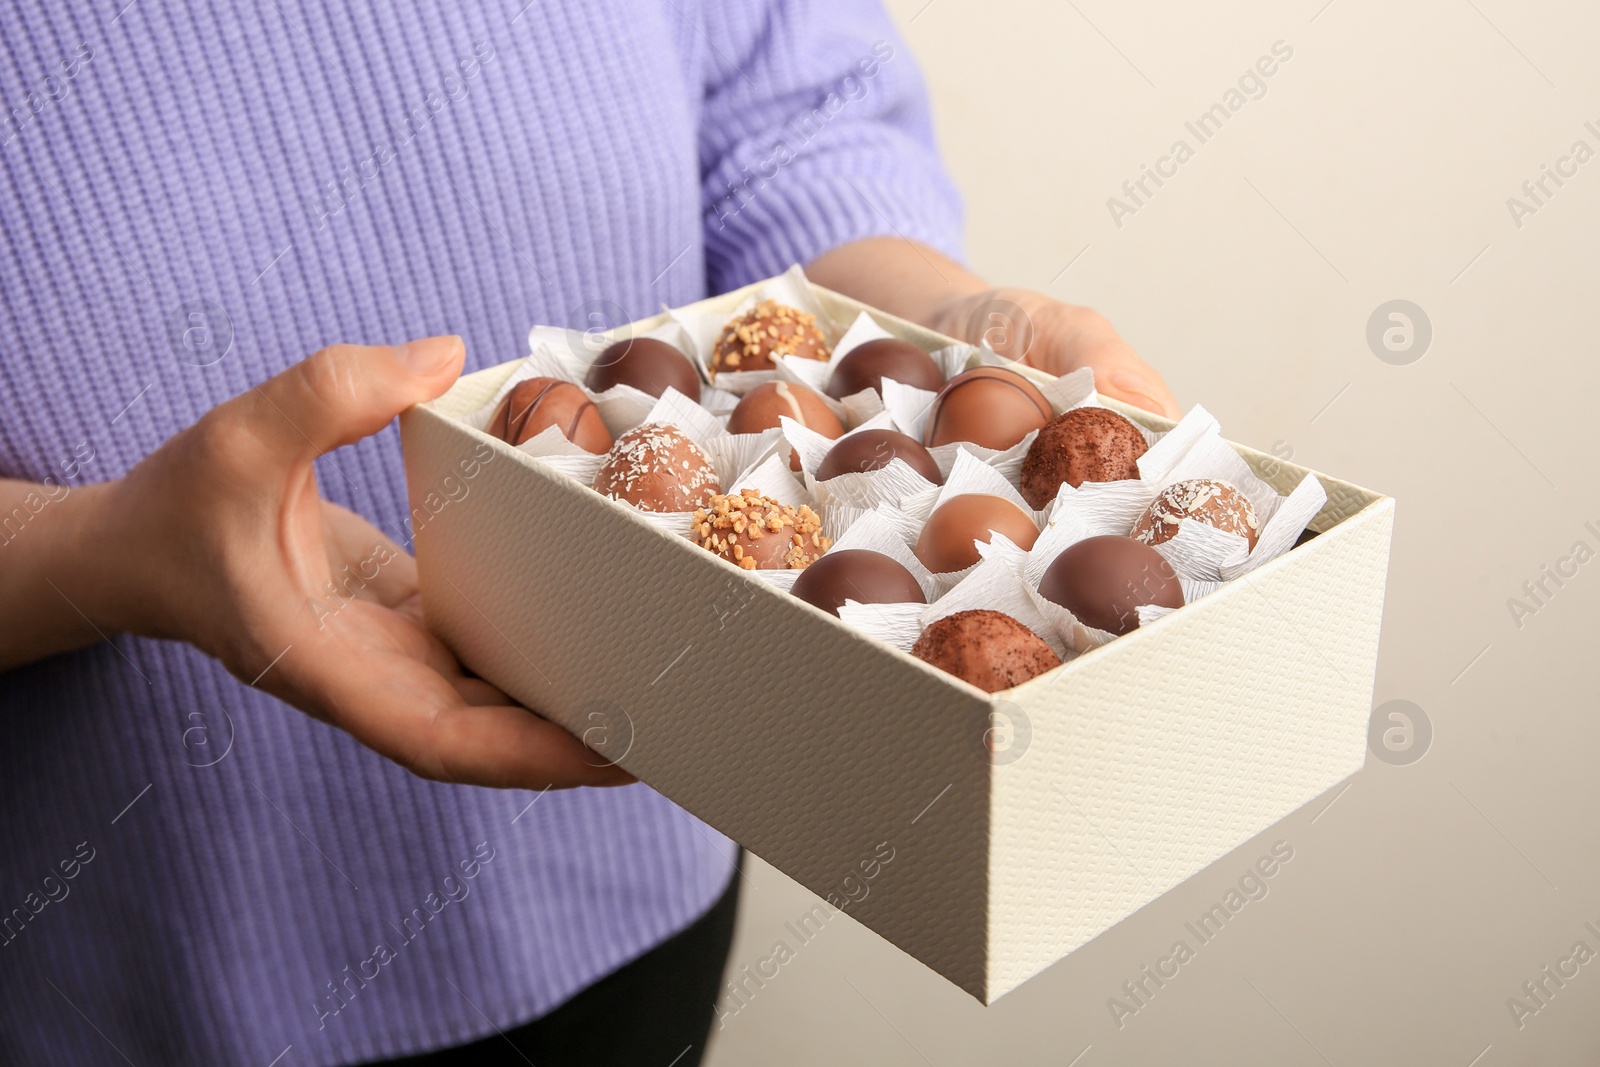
(429, 354)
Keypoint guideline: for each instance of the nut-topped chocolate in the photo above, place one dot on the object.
(649, 365)
(1104, 581)
(870, 450)
(869, 363)
(859, 575)
(769, 329)
(758, 533)
(1207, 500)
(988, 406)
(537, 404)
(989, 649)
(655, 467)
(1087, 444)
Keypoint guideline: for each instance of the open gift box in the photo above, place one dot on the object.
(1020, 824)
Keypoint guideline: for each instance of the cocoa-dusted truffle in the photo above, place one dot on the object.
(537, 404)
(769, 329)
(988, 406)
(1103, 580)
(947, 539)
(869, 363)
(870, 450)
(758, 533)
(648, 365)
(655, 467)
(1082, 445)
(989, 649)
(859, 575)
(1208, 500)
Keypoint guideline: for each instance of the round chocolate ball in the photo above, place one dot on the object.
(989, 649)
(1082, 445)
(946, 543)
(537, 404)
(868, 364)
(655, 467)
(1208, 500)
(769, 329)
(870, 450)
(1103, 580)
(988, 406)
(648, 365)
(761, 407)
(859, 575)
(758, 533)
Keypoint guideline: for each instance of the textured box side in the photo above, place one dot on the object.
(799, 738)
(1158, 754)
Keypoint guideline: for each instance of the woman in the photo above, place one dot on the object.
(241, 819)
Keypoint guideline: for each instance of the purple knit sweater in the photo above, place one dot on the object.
(195, 195)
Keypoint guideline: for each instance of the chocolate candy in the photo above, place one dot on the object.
(648, 365)
(537, 404)
(989, 649)
(769, 329)
(988, 406)
(758, 533)
(655, 467)
(1103, 580)
(859, 575)
(947, 539)
(762, 406)
(869, 363)
(870, 450)
(1082, 445)
(1208, 500)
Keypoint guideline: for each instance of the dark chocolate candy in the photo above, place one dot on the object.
(869, 363)
(859, 575)
(870, 450)
(1103, 581)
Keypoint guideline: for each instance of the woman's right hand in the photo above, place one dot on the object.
(220, 538)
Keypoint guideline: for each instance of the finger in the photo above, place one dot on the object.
(365, 562)
(1141, 386)
(341, 394)
(404, 709)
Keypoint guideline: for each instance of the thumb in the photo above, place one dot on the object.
(342, 393)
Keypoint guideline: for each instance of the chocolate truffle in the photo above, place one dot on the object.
(989, 649)
(655, 467)
(757, 532)
(870, 450)
(760, 408)
(947, 539)
(648, 365)
(769, 329)
(1103, 580)
(988, 406)
(1215, 503)
(869, 363)
(859, 575)
(1082, 445)
(537, 404)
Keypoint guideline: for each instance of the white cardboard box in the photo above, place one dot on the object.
(1124, 772)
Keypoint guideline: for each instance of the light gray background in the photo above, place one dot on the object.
(1376, 167)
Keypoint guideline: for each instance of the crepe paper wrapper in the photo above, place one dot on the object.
(874, 531)
(702, 328)
(894, 624)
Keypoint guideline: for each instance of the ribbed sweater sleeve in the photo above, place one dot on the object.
(815, 132)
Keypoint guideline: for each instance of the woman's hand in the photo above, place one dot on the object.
(917, 283)
(221, 539)
(1058, 338)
